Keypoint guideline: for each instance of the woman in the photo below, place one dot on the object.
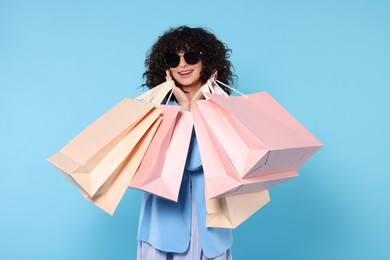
(170, 230)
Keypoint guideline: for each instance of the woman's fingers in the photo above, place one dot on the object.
(214, 75)
(182, 98)
(198, 95)
(180, 95)
(168, 74)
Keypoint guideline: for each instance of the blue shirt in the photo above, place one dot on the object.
(166, 225)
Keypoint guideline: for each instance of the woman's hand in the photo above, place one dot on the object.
(183, 98)
(197, 96)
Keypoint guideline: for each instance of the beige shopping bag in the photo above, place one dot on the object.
(157, 94)
(96, 154)
(231, 211)
(115, 188)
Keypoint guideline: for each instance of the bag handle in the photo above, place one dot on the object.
(212, 86)
(157, 94)
(235, 90)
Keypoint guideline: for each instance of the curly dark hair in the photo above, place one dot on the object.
(215, 55)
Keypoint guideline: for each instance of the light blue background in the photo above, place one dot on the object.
(64, 63)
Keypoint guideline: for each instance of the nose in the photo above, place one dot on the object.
(182, 62)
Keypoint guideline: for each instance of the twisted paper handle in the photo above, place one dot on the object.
(212, 86)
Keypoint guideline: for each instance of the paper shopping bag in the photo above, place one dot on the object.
(220, 175)
(231, 211)
(165, 180)
(259, 136)
(157, 94)
(154, 157)
(113, 193)
(93, 156)
(162, 168)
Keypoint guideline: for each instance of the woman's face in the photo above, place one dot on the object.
(187, 75)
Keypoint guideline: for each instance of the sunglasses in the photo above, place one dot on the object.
(191, 58)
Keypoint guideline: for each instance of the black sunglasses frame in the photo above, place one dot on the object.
(191, 57)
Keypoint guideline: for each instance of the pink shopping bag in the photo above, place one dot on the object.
(162, 167)
(221, 176)
(259, 136)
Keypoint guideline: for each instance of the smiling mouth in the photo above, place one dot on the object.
(183, 73)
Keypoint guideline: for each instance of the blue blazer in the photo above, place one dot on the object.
(166, 225)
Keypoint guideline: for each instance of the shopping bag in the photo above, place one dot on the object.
(109, 200)
(220, 175)
(162, 167)
(259, 136)
(93, 156)
(157, 94)
(153, 160)
(231, 211)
